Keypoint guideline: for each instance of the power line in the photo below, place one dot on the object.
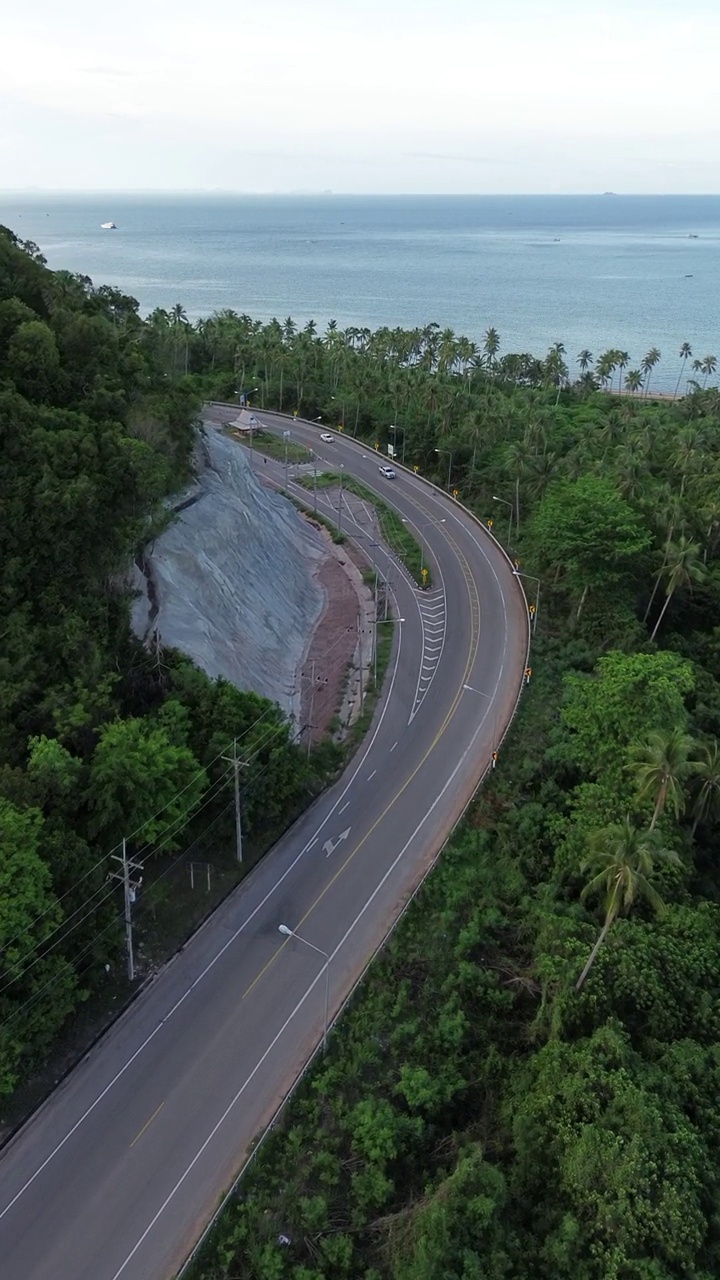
(106, 857)
(212, 795)
(37, 995)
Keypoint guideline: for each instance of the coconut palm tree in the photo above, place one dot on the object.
(605, 367)
(584, 359)
(685, 353)
(667, 504)
(707, 367)
(633, 381)
(706, 802)
(662, 763)
(622, 862)
(517, 456)
(683, 567)
(647, 364)
(622, 359)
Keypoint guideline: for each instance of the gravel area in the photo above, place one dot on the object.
(332, 651)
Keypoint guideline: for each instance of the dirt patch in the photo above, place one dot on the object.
(333, 646)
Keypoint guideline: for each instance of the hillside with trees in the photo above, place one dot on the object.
(99, 739)
(525, 1085)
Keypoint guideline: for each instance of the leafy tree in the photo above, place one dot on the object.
(622, 861)
(37, 986)
(586, 532)
(55, 772)
(141, 785)
(614, 1175)
(34, 359)
(625, 698)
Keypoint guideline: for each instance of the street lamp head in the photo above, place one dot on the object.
(282, 928)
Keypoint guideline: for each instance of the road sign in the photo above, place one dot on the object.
(490, 523)
(416, 469)
(424, 574)
(377, 444)
(455, 493)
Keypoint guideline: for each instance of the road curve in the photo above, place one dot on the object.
(117, 1174)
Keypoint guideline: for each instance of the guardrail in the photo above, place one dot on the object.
(283, 1104)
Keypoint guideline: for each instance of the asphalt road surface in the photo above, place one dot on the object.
(117, 1174)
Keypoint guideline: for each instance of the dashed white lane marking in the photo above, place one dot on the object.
(393, 746)
(372, 775)
(345, 806)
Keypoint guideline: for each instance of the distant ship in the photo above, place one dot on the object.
(108, 226)
(693, 236)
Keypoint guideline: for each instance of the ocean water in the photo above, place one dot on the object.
(588, 271)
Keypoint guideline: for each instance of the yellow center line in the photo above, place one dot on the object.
(147, 1125)
(472, 654)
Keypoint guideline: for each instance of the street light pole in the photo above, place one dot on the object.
(290, 933)
(449, 453)
(378, 623)
(340, 502)
(511, 506)
(420, 527)
(532, 578)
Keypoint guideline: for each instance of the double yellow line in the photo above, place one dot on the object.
(472, 654)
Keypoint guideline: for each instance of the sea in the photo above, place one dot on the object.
(591, 271)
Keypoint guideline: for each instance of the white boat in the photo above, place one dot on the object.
(108, 226)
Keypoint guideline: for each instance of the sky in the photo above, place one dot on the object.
(361, 96)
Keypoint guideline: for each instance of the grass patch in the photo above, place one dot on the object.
(313, 517)
(396, 534)
(274, 447)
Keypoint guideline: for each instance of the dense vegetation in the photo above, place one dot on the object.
(525, 1087)
(99, 740)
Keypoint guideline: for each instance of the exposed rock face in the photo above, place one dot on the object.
(233, 581)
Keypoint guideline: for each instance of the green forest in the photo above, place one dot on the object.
(100, 740)
(525, 1084)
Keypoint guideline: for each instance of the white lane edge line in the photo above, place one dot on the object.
(203, 974)
(379, 886)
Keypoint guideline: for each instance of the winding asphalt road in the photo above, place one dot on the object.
(117, 1174)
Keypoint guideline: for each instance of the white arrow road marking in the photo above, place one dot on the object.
(331, 845)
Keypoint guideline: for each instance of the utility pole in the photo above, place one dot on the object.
(129, 889)
(340, 502)
(237, 765)
(375, 638)
(312, 706)
(362, 665)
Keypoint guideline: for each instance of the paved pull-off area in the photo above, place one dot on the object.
(120, 1170)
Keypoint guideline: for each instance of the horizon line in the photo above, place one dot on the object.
(370, 195)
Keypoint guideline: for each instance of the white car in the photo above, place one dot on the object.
(325, 435)
(388, 473)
